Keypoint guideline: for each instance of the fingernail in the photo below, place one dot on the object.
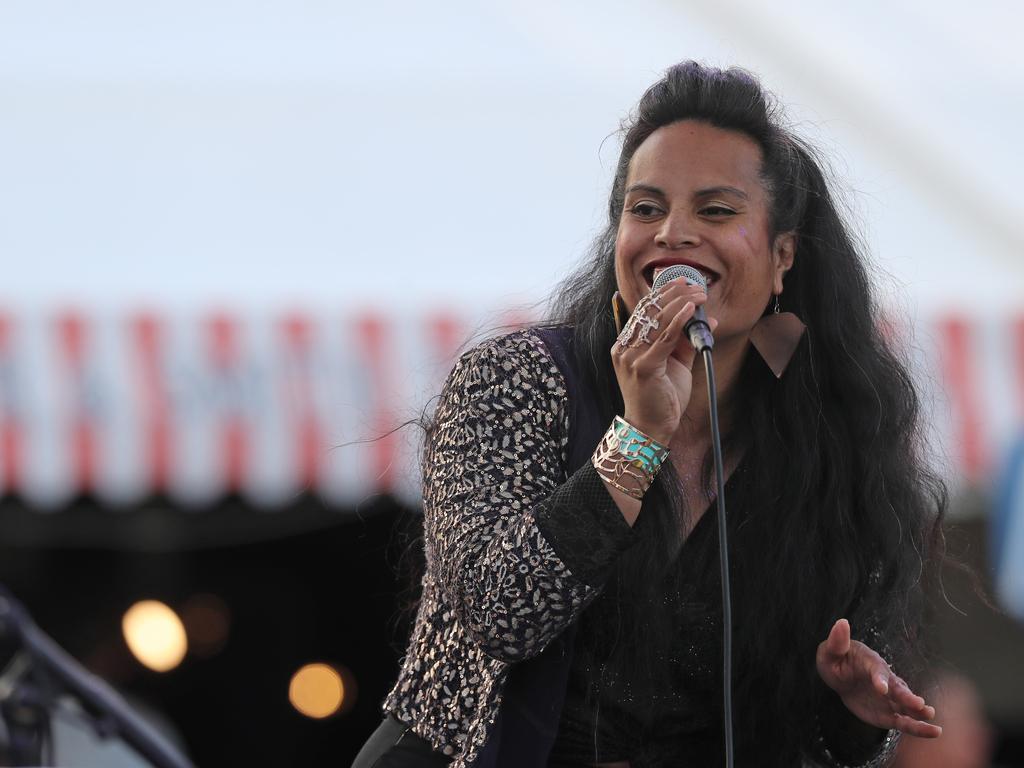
(885, 684)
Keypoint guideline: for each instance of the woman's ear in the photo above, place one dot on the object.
(783, 253)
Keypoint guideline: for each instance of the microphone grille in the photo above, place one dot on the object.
(693, 276)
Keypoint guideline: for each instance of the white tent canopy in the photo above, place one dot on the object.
(189, 153)
(399, 158)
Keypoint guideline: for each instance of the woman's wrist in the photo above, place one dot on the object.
(629, 459)
(846, 740)
(656, 432)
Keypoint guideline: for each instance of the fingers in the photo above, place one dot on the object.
(673, 332)
(679, 302)
(838, 642)
(682, 350)
(916, 727)
(910, 711)
(665, 332)
(908, 724)
(674, 302)
(874, 668)
(901, 698)
(877, 671)
(905, 701)
(652, 313)
(675, 296)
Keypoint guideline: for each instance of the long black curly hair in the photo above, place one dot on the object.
(847, 517)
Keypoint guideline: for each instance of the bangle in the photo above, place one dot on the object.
(628, 459)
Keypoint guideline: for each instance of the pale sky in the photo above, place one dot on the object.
(181, 154)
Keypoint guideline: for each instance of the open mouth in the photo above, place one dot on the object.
(652, 272)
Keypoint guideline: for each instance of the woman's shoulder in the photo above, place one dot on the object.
(531, 341)
(522, 358)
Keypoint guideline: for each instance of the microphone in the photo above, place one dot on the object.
(697, 327)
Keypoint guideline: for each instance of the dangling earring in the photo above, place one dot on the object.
(620, 315)
(776, 337)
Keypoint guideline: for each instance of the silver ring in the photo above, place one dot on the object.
(640, 324)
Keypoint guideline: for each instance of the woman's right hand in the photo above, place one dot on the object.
(655, 376)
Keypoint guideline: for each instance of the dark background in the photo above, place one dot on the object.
(330, 593)
(308, 584)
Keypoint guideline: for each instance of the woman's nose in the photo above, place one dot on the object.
(677, 231)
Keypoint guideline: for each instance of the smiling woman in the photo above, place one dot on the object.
(695, 196)
(570, 610)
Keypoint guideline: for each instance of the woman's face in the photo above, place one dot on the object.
(694, 196)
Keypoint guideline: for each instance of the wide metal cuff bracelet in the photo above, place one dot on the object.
(628, 459)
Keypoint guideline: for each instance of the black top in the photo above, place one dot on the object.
(670, 713)
(667, 708)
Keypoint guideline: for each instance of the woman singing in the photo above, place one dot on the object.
(571, 608)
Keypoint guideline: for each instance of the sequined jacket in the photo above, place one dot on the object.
(515, 549)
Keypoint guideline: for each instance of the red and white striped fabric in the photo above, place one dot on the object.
(270, 406)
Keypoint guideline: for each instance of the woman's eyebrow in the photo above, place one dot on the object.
(719, 190)
(645, 188)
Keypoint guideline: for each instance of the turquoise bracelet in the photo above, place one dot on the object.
(628, 459)
(635, 446)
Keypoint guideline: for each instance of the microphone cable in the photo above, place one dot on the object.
(723, 558)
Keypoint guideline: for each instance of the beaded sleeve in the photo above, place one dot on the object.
(505, 531)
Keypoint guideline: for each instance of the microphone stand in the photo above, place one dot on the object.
(699, 333)
(112, 715)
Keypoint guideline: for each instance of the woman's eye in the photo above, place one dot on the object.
(644, 210)
(717, 210)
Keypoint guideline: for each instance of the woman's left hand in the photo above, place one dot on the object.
(868, 688)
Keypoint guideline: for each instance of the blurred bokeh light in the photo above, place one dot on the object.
(207, 621)
(317, 691)
(155, 635)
